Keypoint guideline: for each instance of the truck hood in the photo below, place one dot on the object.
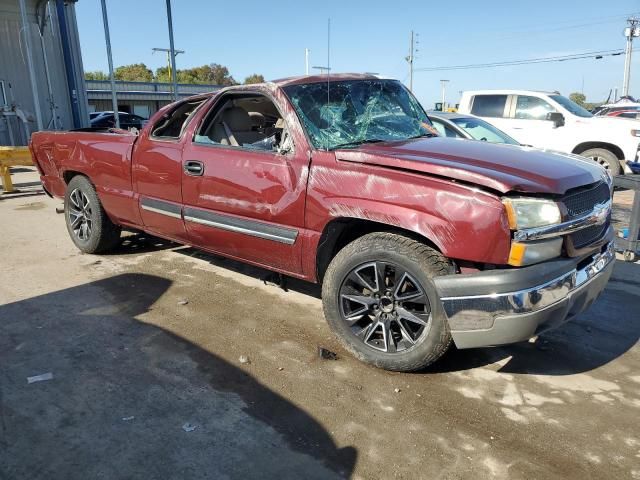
(505, 168)
(618, 125)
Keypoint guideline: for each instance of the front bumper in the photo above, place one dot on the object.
(513, 305)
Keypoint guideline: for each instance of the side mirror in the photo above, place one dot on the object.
(557, 118)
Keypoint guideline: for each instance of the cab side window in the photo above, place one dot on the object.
(489, 105)
(248, 120)
(532, 108)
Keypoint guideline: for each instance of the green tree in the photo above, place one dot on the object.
(136, 72)
(254, 78)
(212, 74)
(579, 98)
(96, 75)
(219, 75)
(162, 75)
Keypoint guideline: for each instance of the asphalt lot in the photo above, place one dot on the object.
(144, 349)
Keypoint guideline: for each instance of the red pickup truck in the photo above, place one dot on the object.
(419, 241)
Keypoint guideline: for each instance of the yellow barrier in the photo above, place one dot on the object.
(12, 157)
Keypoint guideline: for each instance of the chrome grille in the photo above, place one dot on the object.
(580, 202)
(583, 200)
(588, 235)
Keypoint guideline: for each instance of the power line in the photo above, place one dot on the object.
(551, 28)
(562, 25)
(598, 54)
(570, 26)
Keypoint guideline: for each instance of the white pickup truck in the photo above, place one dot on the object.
(551, 121)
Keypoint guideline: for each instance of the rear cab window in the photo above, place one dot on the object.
(489, 105)
(171, 125)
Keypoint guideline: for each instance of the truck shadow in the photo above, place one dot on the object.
(129, 399)
(600, 335)
(140, 242)
(266, 276)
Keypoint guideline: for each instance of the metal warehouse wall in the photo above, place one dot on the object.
(15, 73)
(141, 98)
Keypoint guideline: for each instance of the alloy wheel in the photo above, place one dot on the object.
(601, 161)
(80, 214)
(385, 306)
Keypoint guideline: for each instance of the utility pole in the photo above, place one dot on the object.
(444, 86)
(107, 39)
(411, 57)
(306, 61)
(168, 52)
(174, 79)
(629, 32)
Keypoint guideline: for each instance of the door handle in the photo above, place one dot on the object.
(193, 168)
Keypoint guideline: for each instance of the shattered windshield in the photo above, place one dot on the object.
(357, 112)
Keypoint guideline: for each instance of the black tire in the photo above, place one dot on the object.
(100, 234)
(605, 158)
(422, 263)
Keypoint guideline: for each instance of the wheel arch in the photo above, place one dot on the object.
(341, 231)
(584, 146)
(68, 175)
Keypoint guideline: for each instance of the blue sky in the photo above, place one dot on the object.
(373, 36)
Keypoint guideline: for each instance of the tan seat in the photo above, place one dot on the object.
(234, 127)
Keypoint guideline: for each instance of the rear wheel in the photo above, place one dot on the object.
(379, 298)
(88, 225)
(605, 158)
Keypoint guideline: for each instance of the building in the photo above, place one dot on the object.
(140, 98)
(41, 75)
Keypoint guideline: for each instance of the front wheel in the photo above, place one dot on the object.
(89, 227)
(605, 158)
(378, 297)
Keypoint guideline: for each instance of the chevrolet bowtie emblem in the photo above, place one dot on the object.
(601, 213)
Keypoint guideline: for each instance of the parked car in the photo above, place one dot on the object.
(127, 121)
(470, 127)
(418, 241)
(622, 113)
(624, 104)
(457, 125)
(93, 115)
(550, 120)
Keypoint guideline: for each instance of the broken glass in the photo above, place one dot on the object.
(358, 111)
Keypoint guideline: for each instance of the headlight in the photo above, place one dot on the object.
(531, 212)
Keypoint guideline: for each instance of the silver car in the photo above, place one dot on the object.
(458, 125)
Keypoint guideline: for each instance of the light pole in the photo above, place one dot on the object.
(444, 86)
(630, 32)
(174, 80)
(107, 39)
(306, 61)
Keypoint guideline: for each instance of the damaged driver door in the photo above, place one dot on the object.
(243, 194)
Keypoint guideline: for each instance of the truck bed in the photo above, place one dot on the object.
(105, 157)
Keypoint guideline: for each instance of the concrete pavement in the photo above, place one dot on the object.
(144, 347)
